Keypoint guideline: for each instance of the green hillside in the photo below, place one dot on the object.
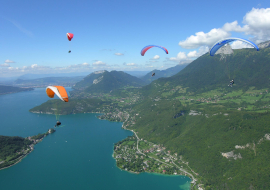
(219, 133)
(88, 80)
(104, 82)
(217, 119)
(246, 66)
(72, 107)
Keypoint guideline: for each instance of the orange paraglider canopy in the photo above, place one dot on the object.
(60, 91)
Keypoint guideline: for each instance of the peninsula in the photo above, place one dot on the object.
(14, 149)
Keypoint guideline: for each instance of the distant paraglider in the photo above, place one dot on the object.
(60, 91)
(231, 83)
(69, 37)
(58, 123)
(221, 43)
(153, 74)
(150, 46)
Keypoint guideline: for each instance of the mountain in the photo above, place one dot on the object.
(264, 44)
(44, 82)
(88, 80)
(104, 81)
(37, 76)
(164, 73)
(221, 132)
(137, 73)
(247, 67)
(12, 89)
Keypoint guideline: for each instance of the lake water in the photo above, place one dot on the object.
(77, 156)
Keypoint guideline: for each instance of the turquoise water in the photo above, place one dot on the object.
(76, 156)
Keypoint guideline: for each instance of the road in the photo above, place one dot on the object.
(193, 178)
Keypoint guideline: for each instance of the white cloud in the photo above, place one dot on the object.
(234, 27)
(13, 68)
(204, 39)
(119, 54)
(240, 45)
(194, 54)
(5, 65)
(85, 64)
(99, 63)
(131, 64)
(257, 24)
(183, 58)
(9, 61)
(156, 57)
(34, 66)
(180, 56)
(37, 69)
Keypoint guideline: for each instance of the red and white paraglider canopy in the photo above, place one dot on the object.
(69, 36)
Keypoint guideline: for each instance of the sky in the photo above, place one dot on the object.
(110, 34)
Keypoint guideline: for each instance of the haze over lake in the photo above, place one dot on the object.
(77, 156)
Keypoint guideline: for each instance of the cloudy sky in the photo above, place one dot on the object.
(109, 34)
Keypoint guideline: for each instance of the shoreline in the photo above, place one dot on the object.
(191, 178)
(21, 157)
(31, 149)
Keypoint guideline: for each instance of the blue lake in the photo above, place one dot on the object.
(77, 156)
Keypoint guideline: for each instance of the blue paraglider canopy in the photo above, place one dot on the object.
(221, 43)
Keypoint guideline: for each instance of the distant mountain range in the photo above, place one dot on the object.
(44, 82)
(38, 76)
(11, 89)
(164, 73)
(137, 73)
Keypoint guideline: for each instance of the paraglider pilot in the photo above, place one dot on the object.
(69, 51)
(153, 74)
(57, 124)
(231, 83)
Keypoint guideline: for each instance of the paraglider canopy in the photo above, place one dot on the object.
(150, 46)
(69, 36)
(60, 91)
(221, 43)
